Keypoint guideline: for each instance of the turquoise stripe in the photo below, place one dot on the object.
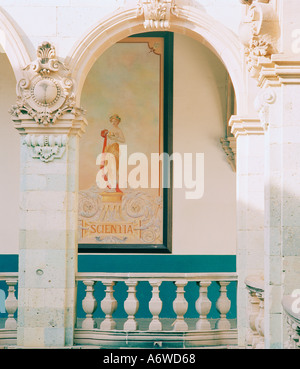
(157, 263)
(9, 263)
(142, 263)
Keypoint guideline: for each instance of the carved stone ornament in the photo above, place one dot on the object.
(157, 13)
(259, 33)
(261, 105)
(46, 91)
(46, 147)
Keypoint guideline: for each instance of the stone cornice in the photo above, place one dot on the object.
(281, 70)
(69, 124)
(245, 126)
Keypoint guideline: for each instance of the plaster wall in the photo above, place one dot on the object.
(9, 163)
(205, 226)
(63, 22)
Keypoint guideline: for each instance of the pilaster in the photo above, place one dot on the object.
(249, 134)
(282, 194)
(50, 125)
(278, 78)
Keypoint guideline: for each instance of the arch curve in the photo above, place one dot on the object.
(14, 47)
(190, 21)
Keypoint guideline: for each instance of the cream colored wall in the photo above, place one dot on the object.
(9, 163)
(208, 225)
(63, 22)
(205, 226)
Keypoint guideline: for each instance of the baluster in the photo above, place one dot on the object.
(259, 322)
(155, 306)
(223, 306)
(108, 305)
(289, 344)
(131, 306)
(203, 306)
(11, 305)
(297, 331)
(252, 336)
(89, 305)
(180, 307)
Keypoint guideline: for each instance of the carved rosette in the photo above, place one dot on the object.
(46, 91)
(157, 13)
(259, 34)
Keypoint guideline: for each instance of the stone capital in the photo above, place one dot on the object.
(245, 126)
(45, 112)
(259, 33)
(45, 96)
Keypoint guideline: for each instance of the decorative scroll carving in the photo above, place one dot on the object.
(261, 105)
(46, 147)
(142, 211)
(259, 33)
(46, 91)
(157, 13)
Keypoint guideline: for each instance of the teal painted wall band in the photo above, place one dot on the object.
(142, 263)
(157, 263)
(9, 263)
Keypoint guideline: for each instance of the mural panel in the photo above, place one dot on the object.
(124, 97)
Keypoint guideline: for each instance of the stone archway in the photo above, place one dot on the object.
(14, 47)
(187, 20)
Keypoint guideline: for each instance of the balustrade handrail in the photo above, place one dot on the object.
(4, 276)
(255, 283)
(255, 312)
(180, 304)
(287, 303)
(119, 277)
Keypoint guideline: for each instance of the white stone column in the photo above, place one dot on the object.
(50, 127)
(249, 135)
(280, 83)
(48, 248)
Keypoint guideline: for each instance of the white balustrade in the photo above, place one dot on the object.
(291, 307)
(155, 306)
(108, 305)
(255, 337)
(203, 306)
(89, 305)
(223, 306)
(131, 306)
(259, 323)
(253, 312)
(8, 334)
(11, 305)
(180, 305)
